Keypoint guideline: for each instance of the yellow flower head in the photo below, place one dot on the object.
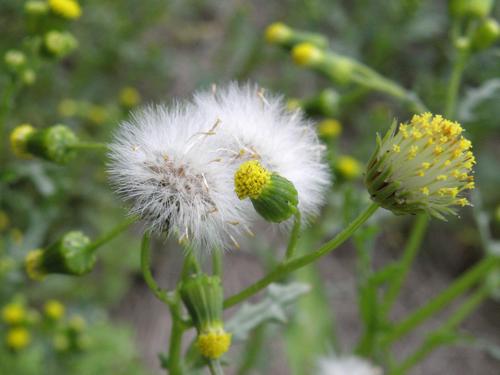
(54, 309)
(19, 139)
(277, 32)
(77, 323)
(18, 338)
(306, 54)
(66, 8)
(422, 166)
(33, 264)
(14, 313)
(329, 128)
(348, 167)
(213, 343)
(250, 179)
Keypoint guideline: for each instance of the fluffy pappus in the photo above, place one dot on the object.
(346, 365)
(164, 161)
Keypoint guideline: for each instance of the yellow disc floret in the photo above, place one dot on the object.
(13, 313)
(66, 8)
(19, 139)
(213, 343)
(348, 167)
(306, 54)
(423, 165)
(54, 309)
(250, 179)
(18, 338)
(33, 262)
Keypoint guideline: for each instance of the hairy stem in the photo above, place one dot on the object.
(294, 236)
(294, 264)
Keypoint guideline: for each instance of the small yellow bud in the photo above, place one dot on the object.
(250, 179)
(77, 323)
(329, 128)
(129, 97)
(18, 338)
(19, 139)
(14, 313)
(277, 33)
(54, 310)
(348, 167)
(69, 9)
(33, 263)
(306, 54)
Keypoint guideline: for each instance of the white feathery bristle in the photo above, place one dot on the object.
(165, 162)
(350, 365)
(257, 125)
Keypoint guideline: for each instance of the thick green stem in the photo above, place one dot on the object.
(175, 347)
(217, 263)
(111, 234)
(215, 367)
(294, 236)
(294, 264)
(459, 287)
(411, 249)
(437, 338)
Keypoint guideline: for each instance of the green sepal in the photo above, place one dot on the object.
(278, 200)
(69, 255)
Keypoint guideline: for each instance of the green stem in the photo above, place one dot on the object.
(90, 146)
(411, 249)
(217, 263)
(437, 338)
(294, 236)
(294, 264)
(175, 347)
(215, 367)
(460, 286)
(454, 84)
(111, 234)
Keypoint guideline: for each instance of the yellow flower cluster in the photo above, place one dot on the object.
(66, 8)
(250, 179)
(213, 343)
(423, 165)
(18, 338)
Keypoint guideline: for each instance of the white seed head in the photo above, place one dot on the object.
(165, 162)
(257, 125)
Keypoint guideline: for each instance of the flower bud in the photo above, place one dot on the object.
(280, 34)
(58, 44)
(307, 54)
(53, 144)
(36, 8)
(54, 310)
(19, 140)
(129, 97)
(28, 77)
(326, 103)
(18, 338)
(273, 196)
(15, 60)
(348, 168)
(14, 313)
(486, 34)
(203, 297)
(69, 9)
(422, 166)
(329, 129)
(337, 67)
(473, 8)
(70, 255)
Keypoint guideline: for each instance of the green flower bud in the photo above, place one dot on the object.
(70, 255)
(326, 103)
(15, 60)
(53, 144)
(36, 8)
(203, 297)
(281, 34)
(486, 34)
(273, 196)
(58, 44)
(473, 8)
(28, 77)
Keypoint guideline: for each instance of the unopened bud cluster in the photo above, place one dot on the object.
(421, 166)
